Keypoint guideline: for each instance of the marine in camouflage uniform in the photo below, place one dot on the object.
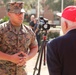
(14, 40)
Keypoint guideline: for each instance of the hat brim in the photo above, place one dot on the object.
(59, 14)
(22, 10)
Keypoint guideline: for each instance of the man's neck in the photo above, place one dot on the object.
(15, 24)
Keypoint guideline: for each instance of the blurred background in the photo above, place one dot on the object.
(46, 8)
(49, 9)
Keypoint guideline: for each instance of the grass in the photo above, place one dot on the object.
(26, 23)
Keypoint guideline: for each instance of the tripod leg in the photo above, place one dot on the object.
(41, 51)
(44, 52)
(42, 47)
(37, 62)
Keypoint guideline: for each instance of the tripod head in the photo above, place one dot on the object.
(45, 36)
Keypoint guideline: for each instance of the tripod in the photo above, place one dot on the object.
(40, 55)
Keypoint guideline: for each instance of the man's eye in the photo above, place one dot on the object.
(18, 13)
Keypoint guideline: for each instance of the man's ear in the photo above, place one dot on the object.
(65, 25)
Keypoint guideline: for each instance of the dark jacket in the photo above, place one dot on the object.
(61, 54)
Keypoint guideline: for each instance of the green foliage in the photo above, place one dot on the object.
(53, 35)
(49, 35)
(26, 23)
(68, 2)
(4, 19)
(56, 4)
(5, 1)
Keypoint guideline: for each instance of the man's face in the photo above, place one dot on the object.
(16, 19)
(32, 18)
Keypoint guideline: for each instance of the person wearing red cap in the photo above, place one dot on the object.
(61, 51)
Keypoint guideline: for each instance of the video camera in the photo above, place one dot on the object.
(43, 23)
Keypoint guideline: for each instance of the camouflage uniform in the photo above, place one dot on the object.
(12, 42)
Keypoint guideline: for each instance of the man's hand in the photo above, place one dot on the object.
(16, 58)
(24, 59)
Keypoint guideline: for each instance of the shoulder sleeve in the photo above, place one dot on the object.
(33, 37)
(33, 40)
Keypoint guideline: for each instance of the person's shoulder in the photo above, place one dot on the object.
(27, 27)
(57, 40)
(29, 30)
(31, 23)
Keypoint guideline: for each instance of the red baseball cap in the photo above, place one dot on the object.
(69, 13)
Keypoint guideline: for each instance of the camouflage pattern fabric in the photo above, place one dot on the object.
(12, 42)
(15, 7)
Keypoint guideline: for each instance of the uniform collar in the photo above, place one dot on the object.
(11, 28)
